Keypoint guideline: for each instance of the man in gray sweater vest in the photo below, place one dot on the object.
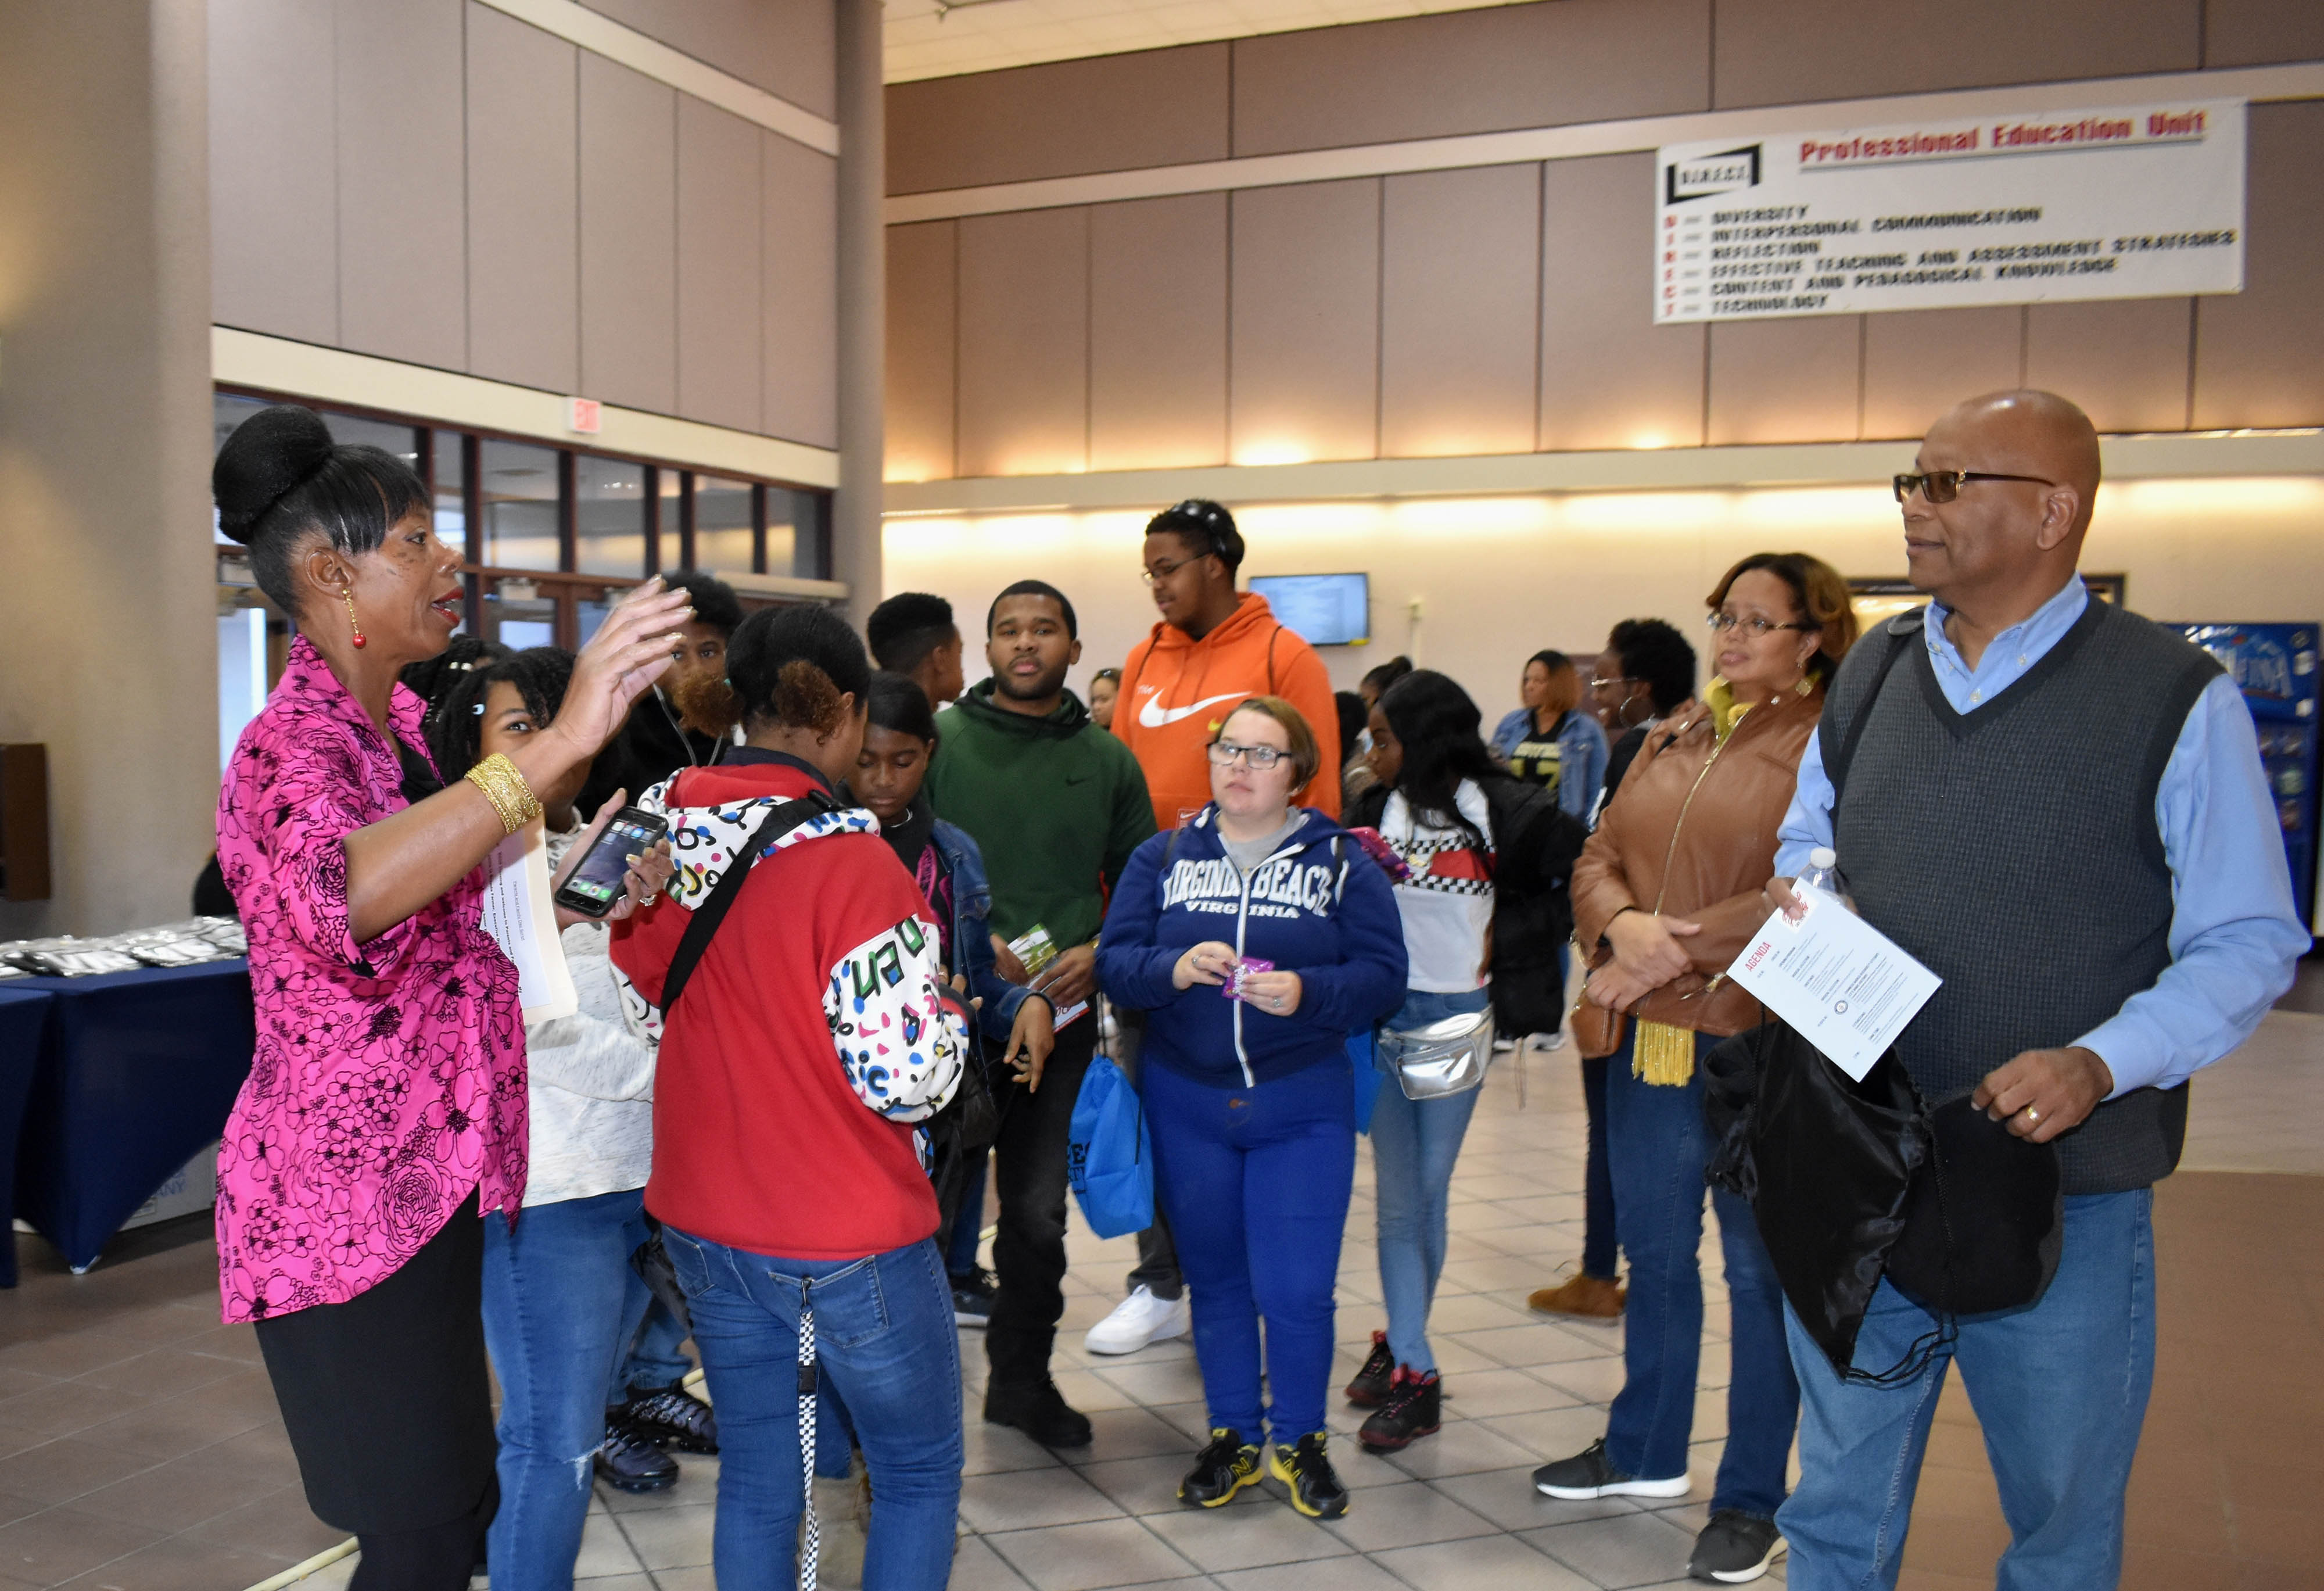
(2059, 809)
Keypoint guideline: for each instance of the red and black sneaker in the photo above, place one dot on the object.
(1413, 1408)
(1370, 1389)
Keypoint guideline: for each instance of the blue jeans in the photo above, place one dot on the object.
(560, 1301)
(2060, 1387)
(1414, 1142)
(1657, 1145)
(884, 1338)
(1255, 1182)
(656, 1357)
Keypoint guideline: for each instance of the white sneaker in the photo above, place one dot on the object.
(1138, 1319)
(1503, 1046)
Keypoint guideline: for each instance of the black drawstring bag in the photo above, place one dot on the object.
(1849, 1181)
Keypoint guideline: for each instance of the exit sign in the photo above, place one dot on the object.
(585, 415)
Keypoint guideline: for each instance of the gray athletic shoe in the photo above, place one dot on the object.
(1734, 1547)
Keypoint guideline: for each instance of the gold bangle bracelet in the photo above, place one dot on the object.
(503, 785)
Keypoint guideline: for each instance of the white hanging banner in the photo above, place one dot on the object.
(2139, 202)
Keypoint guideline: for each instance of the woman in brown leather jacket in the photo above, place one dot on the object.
(1667, 891)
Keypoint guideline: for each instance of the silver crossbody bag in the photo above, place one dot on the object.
(1446, 1057)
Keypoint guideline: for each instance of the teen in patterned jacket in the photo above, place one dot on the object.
(788, 1174)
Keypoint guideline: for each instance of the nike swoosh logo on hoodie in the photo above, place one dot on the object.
(1155, 715)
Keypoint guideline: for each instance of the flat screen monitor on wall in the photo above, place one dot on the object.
(1323, 610)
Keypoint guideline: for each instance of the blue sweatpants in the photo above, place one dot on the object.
(1256, 1182)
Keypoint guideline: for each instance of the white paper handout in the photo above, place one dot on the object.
(521, 918)
(1846, 986)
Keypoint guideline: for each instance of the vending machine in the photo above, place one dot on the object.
(2275, 666)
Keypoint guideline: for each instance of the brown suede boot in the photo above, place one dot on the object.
(1594, 1298)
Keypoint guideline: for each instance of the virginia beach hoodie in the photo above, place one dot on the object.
(1316, 905)
(1175, 690)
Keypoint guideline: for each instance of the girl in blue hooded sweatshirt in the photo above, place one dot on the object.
(1257, 938)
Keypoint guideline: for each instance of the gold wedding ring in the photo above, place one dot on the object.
(2032, 1114)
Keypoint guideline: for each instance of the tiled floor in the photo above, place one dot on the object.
(141, 1447)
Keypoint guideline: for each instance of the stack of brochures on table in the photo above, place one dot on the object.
(190, 943)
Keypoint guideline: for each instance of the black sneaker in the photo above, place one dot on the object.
(973, 1293)
(1040, 1411)
(1370, 1389)
(1589, 1473)
(1413, 1408)
(671, 1418)
(1734, 1546)
(1316, 1489)
(1220, 1470)
(627, 1462)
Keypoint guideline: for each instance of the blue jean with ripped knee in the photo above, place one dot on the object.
(561, 1303)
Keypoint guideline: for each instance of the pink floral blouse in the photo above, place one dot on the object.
(390, 1080)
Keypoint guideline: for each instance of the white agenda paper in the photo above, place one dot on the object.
(521, 918)
(1847, 987)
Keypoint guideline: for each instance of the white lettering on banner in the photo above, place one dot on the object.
(2140, 201)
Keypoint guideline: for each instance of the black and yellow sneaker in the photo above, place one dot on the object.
(1316, 1489)
(1220, 1470)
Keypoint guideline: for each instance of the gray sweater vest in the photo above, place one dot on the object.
(2014, 849)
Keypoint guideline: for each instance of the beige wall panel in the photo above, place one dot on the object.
(1111, 113)
(801, 249)
(1304, 339)
(1460, 301)
(273, 174)
(524, 311)
(2259, 354)
(1920, 362)
(1024, 343)
(628, 237)
(402, 188)
(720, 333)
(1158, 332)
(1470, 71)
(1785, 381)
(2123, 360)
(787, 47)
(923, 324)
(1790, 52)
(1609, 377)
(2246, 32)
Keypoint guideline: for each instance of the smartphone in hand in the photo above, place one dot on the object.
(593, 887)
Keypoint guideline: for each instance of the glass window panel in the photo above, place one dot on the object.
(796, 543)
(592, 612)
(722, 525)
(519, 614)
(609, 516)
(519, 507)
(451, 492)
(671, 488)
(349, 430)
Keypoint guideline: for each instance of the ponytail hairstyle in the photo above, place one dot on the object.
(456, 724)
(787, 666)
(281, 482)
(1438, 726)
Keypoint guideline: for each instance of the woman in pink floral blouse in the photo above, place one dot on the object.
(385, 1105)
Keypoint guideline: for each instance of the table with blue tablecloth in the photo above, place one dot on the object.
(23, 1023)
(136, 1072)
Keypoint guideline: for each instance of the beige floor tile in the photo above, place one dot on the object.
(1235, 1538)
(1406, 1514)
(1501, 1562)
(667, 1538)
(1623, 1550)
(1083, 1558)
(1030, 1498)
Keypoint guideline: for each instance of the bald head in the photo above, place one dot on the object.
(2029, 433)
(2010, 538)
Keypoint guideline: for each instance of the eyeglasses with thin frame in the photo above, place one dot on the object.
(1262, 757)
(1755, 627)
(1162, 571)
(1942, 485)
(1610, 684)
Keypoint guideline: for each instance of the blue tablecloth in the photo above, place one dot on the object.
(24, 1021)
(136, 1073)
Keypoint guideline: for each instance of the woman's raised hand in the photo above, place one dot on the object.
(627, 654)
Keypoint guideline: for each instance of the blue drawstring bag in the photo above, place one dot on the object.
(1108, 1158)
(1362, 1063)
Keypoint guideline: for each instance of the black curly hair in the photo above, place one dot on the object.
(455, 727)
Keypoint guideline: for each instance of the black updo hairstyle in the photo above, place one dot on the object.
(784, 665)
(456, 729)
(1437, 726)
(897, 703)
(280, 478)
(1204, 526)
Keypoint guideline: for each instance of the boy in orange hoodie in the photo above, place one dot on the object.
(1214, 647)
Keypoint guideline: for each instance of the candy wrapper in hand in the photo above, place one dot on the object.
(1375, 845)
(1233, 987)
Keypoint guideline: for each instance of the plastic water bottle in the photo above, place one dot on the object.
(1822, 873)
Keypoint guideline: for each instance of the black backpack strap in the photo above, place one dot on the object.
(1901, 637)
(778, 821)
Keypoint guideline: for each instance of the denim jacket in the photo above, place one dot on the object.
(971, 933)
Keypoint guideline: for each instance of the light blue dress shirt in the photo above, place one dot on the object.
(2234, 934)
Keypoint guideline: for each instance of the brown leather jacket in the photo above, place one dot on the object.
(1692, 834)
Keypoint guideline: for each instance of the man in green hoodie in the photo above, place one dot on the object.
(1056, 805)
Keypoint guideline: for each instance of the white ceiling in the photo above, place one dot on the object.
(926, 40)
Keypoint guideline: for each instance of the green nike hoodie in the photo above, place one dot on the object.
(1056, 804)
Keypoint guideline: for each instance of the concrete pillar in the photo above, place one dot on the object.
(863, 304)
(108, 641)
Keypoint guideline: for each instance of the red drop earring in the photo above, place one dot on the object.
(347, 596)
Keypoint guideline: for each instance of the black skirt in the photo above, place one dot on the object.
(385, 1397)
